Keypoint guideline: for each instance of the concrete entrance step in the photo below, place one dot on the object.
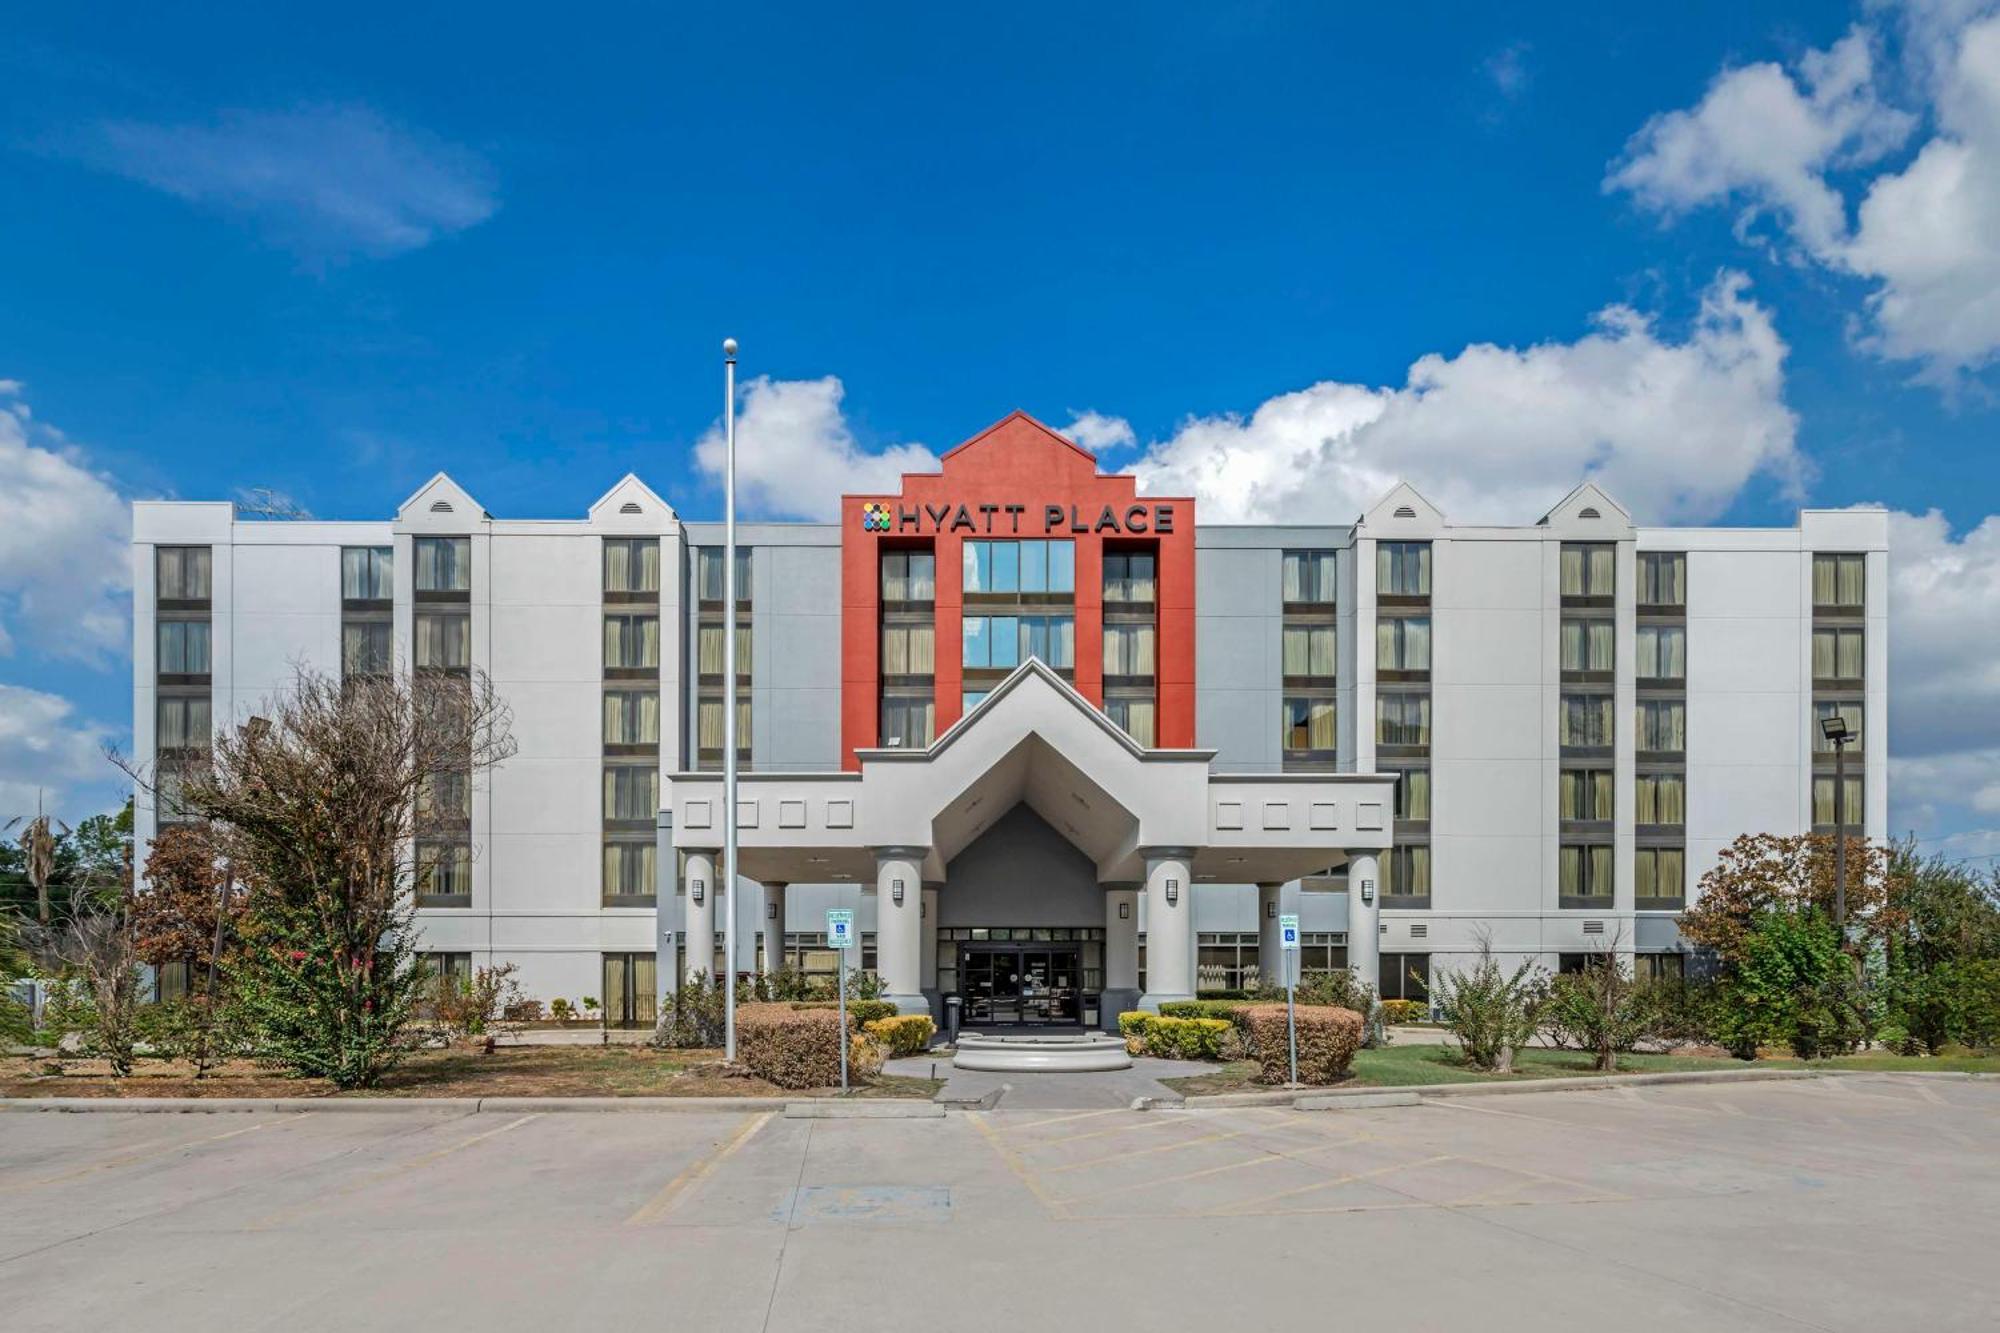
(1070, 1053)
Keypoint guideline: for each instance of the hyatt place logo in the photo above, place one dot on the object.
(875, 517)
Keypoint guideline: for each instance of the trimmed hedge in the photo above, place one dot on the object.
(906, 1034)
(1223, 1009)
(1328, 1039)
(1168, 1037)
(791, 1046)
(860, 1013)
(1405, 1011)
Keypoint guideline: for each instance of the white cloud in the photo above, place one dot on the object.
(324, 180)
(1100, 433)
(46, 752)
(796, 454)
(65, 562)
(1674, 429)
(1925, 235)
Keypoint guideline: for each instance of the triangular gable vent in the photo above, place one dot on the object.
(631, 507)
(1404, 511)
(1588, 512)
(440, 506)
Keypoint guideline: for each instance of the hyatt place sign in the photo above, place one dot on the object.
(1006, 520)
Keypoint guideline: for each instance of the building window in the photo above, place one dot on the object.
(1660, 879)
(1403, 643)
(1585, 721)
(708, 574)
(1650, 967)
(1662, 799)
(1403, 719)
(1019, 566)
(1585, 794)
(444, 564)
(444, 641)
(1586, 874)
(708, 651)
(1662, 652)
(1134, 715)
(631, 793)
(632, 643)
(972, 699)
(1840, 582)
(631, 990)
(1006, 641)
(1413, 794)
(184, 573)
(444, 874)
(1309, 725)
(1406, 879)
(183, 723)
(184, 648)
(1403, 569)
(632, 717)
(1588, 645)
(629, 874)
(367, 574)
(1849, 710)
(1823, 811)
(708, 727)
(909, 576)
(365, 647)
(1404, 976)
(1589, 570)
(1228, 961)
(1128, 650)
(1309, 652)
(1837, 654)
(1128, 577)
(909, 722)
(1321, 952)
(632, 565)
(1663, 579)
(1309, 579)
(909, 650)
(1662, 726)
(444, 798)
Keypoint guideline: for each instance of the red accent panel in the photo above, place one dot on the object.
(1016, 462)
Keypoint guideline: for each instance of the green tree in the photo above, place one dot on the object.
(1943, 959)
(1793, 984)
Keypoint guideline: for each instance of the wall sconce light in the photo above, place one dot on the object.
(1367, 890)
(1270, 911)
(1173, 892)
(896, 891)
(699, 887)
(770, 911)
(1124, 911)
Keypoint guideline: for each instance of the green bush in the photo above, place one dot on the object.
(1793, 986)
(1338, 989)
(692, 1014)
(1186, 1038)
(1223, 1009)
(1327, 1041)
(790, 1046)
(1492, 1013)
(1405, 1011)
(905, 1034)
(860, 1013)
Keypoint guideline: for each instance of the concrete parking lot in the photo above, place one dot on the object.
(1853, 1203)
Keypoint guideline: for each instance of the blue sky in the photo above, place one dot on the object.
(332, 256)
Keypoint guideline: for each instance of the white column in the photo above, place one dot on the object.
(1364, 916)
(698, 895)
(1271, 960)
(898, 947)
(1121, 954)
(1169, 925)
(927, 926)
(774, 927)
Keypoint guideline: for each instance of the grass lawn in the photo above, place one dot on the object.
(511, 1071)
(1418, 1066)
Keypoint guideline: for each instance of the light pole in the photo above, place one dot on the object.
(1834, 727)
(726, 900)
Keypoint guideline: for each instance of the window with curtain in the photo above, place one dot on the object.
(1585, 720)
(1660, 874)
(1407, 873)
(1823, 791)
(909, 650)
(1588, 645)
(183, 722)
(632, 717)
(1662, 726)
(908, 720)
(1018, 566)
(444, 564)
(1584, 793)
(367, 573)
(1585, 871)
(1837, 654)
(708, 649)
(184, 647)
(1663, 578)
(708, 574)
(631, 792)
(1402, 719)
(1403, 643)
(1662, 798)
(1403, 569)
(365, 647)
(444, 642)
(1662, 652)
(1840, 581)
(445, 795)
(1133, 716)
(184, 573)
(1309, 724)
(708, 725)
(1128, 576)
(1413, 793)
(1309, 578)
(1128, 650)
(629, 870)
(909, 576)
(632, 642)
(1589, 569)
(631, 564)
(444, 870)
(1309, 650)
(1849, 709)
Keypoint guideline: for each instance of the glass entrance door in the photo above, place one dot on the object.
(1011, 985)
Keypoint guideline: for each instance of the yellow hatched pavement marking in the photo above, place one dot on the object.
(1014, 1163)
(696, 1171)
(1349, 1179)
(1175, 1146)
(1180, 1179)
(143, 1152)
(1064, 1119)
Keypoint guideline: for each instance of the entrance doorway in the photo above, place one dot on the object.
(1014, 985)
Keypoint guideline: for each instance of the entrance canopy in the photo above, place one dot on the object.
(1034, 739)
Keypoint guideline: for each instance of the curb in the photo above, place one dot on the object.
(1345, 1098)
(880, 1109)
(829, 1109)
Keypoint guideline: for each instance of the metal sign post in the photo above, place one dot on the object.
(1288, 939)
(840, 938)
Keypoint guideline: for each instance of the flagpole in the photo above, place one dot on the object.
(726, 900)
